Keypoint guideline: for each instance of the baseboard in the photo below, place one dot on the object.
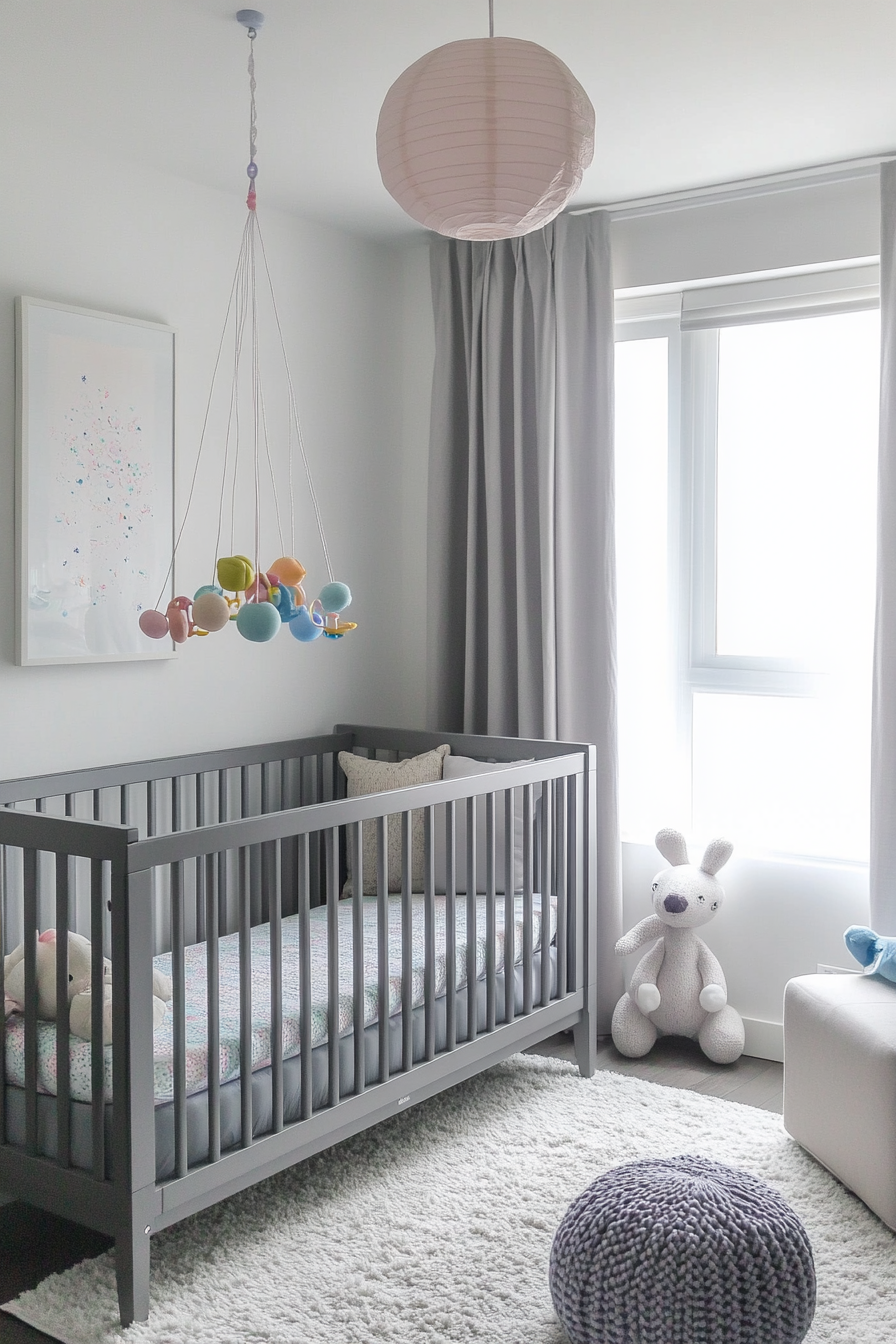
(764, 1040)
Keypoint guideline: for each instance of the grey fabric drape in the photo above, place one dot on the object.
(521, 562)
(883, 704)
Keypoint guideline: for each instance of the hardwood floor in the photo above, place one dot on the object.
(35, 1244)
(674, 1062)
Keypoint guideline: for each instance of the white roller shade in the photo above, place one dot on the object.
(781, 298)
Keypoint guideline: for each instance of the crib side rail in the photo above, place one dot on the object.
(410, 741)
(319, 817)
(141, 772)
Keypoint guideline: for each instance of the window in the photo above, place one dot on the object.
(746, 450)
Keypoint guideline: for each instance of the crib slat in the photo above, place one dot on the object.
(472, 1023)
(450, 928)
(201, 866)
(527, 897)
(304, 894)
(97, 1050)
(358, 1037)
(179, 1009)
(245, 944)
(4, 944)
(509, 908)
(29, 900)
(123, 810)
(382, 950)
(575, 963)
(562, 887)
(547, 887)
(429, 932)
(407, 944)
(331, 841)
(63, 1089)
(150, 806)
(271, 870)
(490, 932)
(214, 1012)
(224, 914)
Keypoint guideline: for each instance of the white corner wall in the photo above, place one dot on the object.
(84, 230)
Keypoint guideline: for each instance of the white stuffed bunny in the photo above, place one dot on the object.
(79, 996)
(677, 988)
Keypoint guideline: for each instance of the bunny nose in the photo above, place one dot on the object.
(676, 905)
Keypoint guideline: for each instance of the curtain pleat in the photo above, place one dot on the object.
(521, 551)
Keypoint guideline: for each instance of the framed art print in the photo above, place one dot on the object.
(95, 488)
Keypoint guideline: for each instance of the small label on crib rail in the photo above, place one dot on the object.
(403, 1101)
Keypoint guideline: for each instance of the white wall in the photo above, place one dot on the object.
(85, 230)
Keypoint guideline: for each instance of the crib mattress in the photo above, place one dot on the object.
(197, 1063)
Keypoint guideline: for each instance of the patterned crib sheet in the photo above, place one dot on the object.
(229, 992)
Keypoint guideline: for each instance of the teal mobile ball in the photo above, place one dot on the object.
(335, 596)
(258, 621)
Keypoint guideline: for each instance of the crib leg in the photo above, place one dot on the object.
(132, 1270)
(584, 1035)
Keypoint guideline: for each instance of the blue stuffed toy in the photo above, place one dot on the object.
(871, 950)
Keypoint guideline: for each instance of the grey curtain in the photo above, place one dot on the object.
(521, 563)
(883, 705)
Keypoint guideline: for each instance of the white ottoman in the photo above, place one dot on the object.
(840, 1080)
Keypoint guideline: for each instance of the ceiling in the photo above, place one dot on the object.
(686, 93)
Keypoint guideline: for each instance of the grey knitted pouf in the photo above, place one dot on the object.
(681, 1250)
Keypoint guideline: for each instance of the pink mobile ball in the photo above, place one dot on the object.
(154, 624)
(259, 589)
(178, 623)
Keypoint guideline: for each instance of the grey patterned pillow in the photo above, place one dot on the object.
(366, 776)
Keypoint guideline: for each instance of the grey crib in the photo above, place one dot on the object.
(172, 855)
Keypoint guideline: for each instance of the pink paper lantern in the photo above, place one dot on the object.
(485, 138)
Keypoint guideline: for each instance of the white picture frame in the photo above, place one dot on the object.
(94, 483)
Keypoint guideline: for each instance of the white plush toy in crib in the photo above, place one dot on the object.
(677, 988)
(79, 995)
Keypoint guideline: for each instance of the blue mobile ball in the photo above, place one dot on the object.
(208, 588)
(335, 596)
(258, 621)
(303, 627)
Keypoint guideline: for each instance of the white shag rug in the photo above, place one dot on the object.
(437, 1225)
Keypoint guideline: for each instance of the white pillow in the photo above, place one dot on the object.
(461, 767)
(367, 776)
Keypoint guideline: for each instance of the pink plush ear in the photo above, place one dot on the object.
(48, 936)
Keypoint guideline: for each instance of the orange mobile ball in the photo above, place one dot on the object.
(288, 570)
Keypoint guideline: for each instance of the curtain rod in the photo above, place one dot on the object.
(717, 194)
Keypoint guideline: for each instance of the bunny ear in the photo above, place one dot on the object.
(673, 847)
(718, 852)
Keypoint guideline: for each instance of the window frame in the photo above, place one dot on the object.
(693, 380)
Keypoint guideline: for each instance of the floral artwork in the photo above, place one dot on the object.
(96, 400)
